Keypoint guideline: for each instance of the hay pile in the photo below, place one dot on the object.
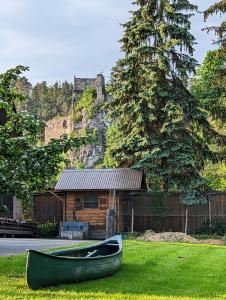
(151, 236)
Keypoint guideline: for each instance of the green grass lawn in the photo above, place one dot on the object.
(156, 271)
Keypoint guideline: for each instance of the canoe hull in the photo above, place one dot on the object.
(47, 270)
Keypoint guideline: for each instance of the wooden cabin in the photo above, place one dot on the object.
(96, 196)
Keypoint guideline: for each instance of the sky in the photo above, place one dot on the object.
(60, 39)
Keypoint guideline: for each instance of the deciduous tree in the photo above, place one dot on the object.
(25, 164)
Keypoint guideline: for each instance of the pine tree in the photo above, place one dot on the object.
(216, 70)
(220, 31)
(156, 122)
(24, 87)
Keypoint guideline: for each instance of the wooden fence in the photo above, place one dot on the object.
(142, 211)
(159, 212)
(47, 207)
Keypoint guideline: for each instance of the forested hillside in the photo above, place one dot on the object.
(45, 101)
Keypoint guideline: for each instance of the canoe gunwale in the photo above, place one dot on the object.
(75, 258)
(53, 254)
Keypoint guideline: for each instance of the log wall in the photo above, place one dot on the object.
(75, 209)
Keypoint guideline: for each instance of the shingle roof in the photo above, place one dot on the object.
(100, 179)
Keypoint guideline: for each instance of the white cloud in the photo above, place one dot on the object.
(60, 38)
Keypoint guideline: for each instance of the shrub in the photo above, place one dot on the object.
(47, 229)
(3, 210)
(206, 236)
(131, 236)
(217, 228)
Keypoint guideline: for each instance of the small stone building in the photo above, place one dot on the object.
(96, 196)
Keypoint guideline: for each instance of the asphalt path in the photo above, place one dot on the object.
(13, 246)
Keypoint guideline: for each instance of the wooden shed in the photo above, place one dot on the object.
(96, 196)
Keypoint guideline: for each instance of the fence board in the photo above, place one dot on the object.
(47, 207)
(166, 213)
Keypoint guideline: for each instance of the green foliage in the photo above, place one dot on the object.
(220, 31)
(79, 165)
(157, 124)
(157, 204)
(206, 236)
(112, 135)
(216, 228)
(209, 85)
(85, 103)
(25, 164)
(3, 210)
(132, 236)
(44, 101)
(27, 209)
(215, 175)
(47, 229)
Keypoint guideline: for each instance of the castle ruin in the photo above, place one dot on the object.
(91, 155)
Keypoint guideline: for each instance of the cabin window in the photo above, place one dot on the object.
(90, 201)
(103, 202)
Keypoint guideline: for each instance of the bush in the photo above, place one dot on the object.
(215, 229)
(47, 229)
(131, 236)
(3, 210)
(206, 236)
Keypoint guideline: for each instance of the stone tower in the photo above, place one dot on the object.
(81, 84)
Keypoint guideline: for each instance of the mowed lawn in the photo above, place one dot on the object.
(157, 271)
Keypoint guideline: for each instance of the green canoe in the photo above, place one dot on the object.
(74, 265)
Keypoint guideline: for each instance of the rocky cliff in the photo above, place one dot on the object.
(91, 155)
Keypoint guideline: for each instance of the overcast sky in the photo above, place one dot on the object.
(59, 39)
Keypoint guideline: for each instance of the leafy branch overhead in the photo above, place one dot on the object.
(26, 165)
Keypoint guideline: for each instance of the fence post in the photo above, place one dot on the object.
(210, 211)
(132, 221)
(107, 222)
(186, 220)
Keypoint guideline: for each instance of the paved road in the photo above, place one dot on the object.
(13, 246)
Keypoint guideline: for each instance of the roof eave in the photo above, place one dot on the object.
(90, 190)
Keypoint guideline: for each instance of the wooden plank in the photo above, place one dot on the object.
(16, 232)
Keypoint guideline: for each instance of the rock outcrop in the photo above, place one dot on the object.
(91, 155)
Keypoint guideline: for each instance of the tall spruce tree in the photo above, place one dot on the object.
(220, 31)
(156, 122)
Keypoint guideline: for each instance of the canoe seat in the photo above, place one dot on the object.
(91, 253)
